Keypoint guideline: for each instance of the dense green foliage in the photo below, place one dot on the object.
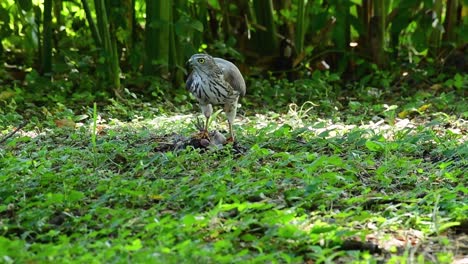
(362, 162)
(114, 40)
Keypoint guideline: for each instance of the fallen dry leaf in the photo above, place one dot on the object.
(65, 123)
(6, 94)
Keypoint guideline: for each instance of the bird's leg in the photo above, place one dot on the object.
(231, 109)
(231, 133)
(206, 123)
(207, 111)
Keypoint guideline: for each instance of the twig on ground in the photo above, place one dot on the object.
(13, 132)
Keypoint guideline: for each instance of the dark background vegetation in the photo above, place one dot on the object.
(142, 46)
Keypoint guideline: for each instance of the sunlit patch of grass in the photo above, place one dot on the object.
(306, 188)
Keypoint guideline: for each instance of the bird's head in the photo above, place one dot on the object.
(202, 62)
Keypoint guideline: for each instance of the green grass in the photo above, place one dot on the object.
(329, 183)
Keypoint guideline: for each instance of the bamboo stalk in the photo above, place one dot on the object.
(300, 25)
(109, 45)
(342, 33)
(266, 41)
(92, 25)
(151, 41)
(158, 20)
(436, 32)
(378, 29)
(176, 59)
(47, 38)
(201, 13)
(450, 21)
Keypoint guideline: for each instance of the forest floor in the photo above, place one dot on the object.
(366, 181)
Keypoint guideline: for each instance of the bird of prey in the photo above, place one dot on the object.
(215, 81)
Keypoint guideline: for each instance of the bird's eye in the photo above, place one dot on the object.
(201, 60)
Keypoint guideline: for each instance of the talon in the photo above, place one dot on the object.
(230, 140)
(203, 134)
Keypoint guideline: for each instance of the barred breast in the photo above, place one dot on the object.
(211, 90)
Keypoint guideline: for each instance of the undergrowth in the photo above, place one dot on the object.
(321, 177)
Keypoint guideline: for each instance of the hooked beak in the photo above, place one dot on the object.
(189, 63)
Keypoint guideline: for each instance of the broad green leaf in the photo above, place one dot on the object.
(222, 244)
(189, 220)
(74, 196)
(136, 245)
(374, 146)
(54, 198)
(448, 225)
(4, 95)
(197, 25)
